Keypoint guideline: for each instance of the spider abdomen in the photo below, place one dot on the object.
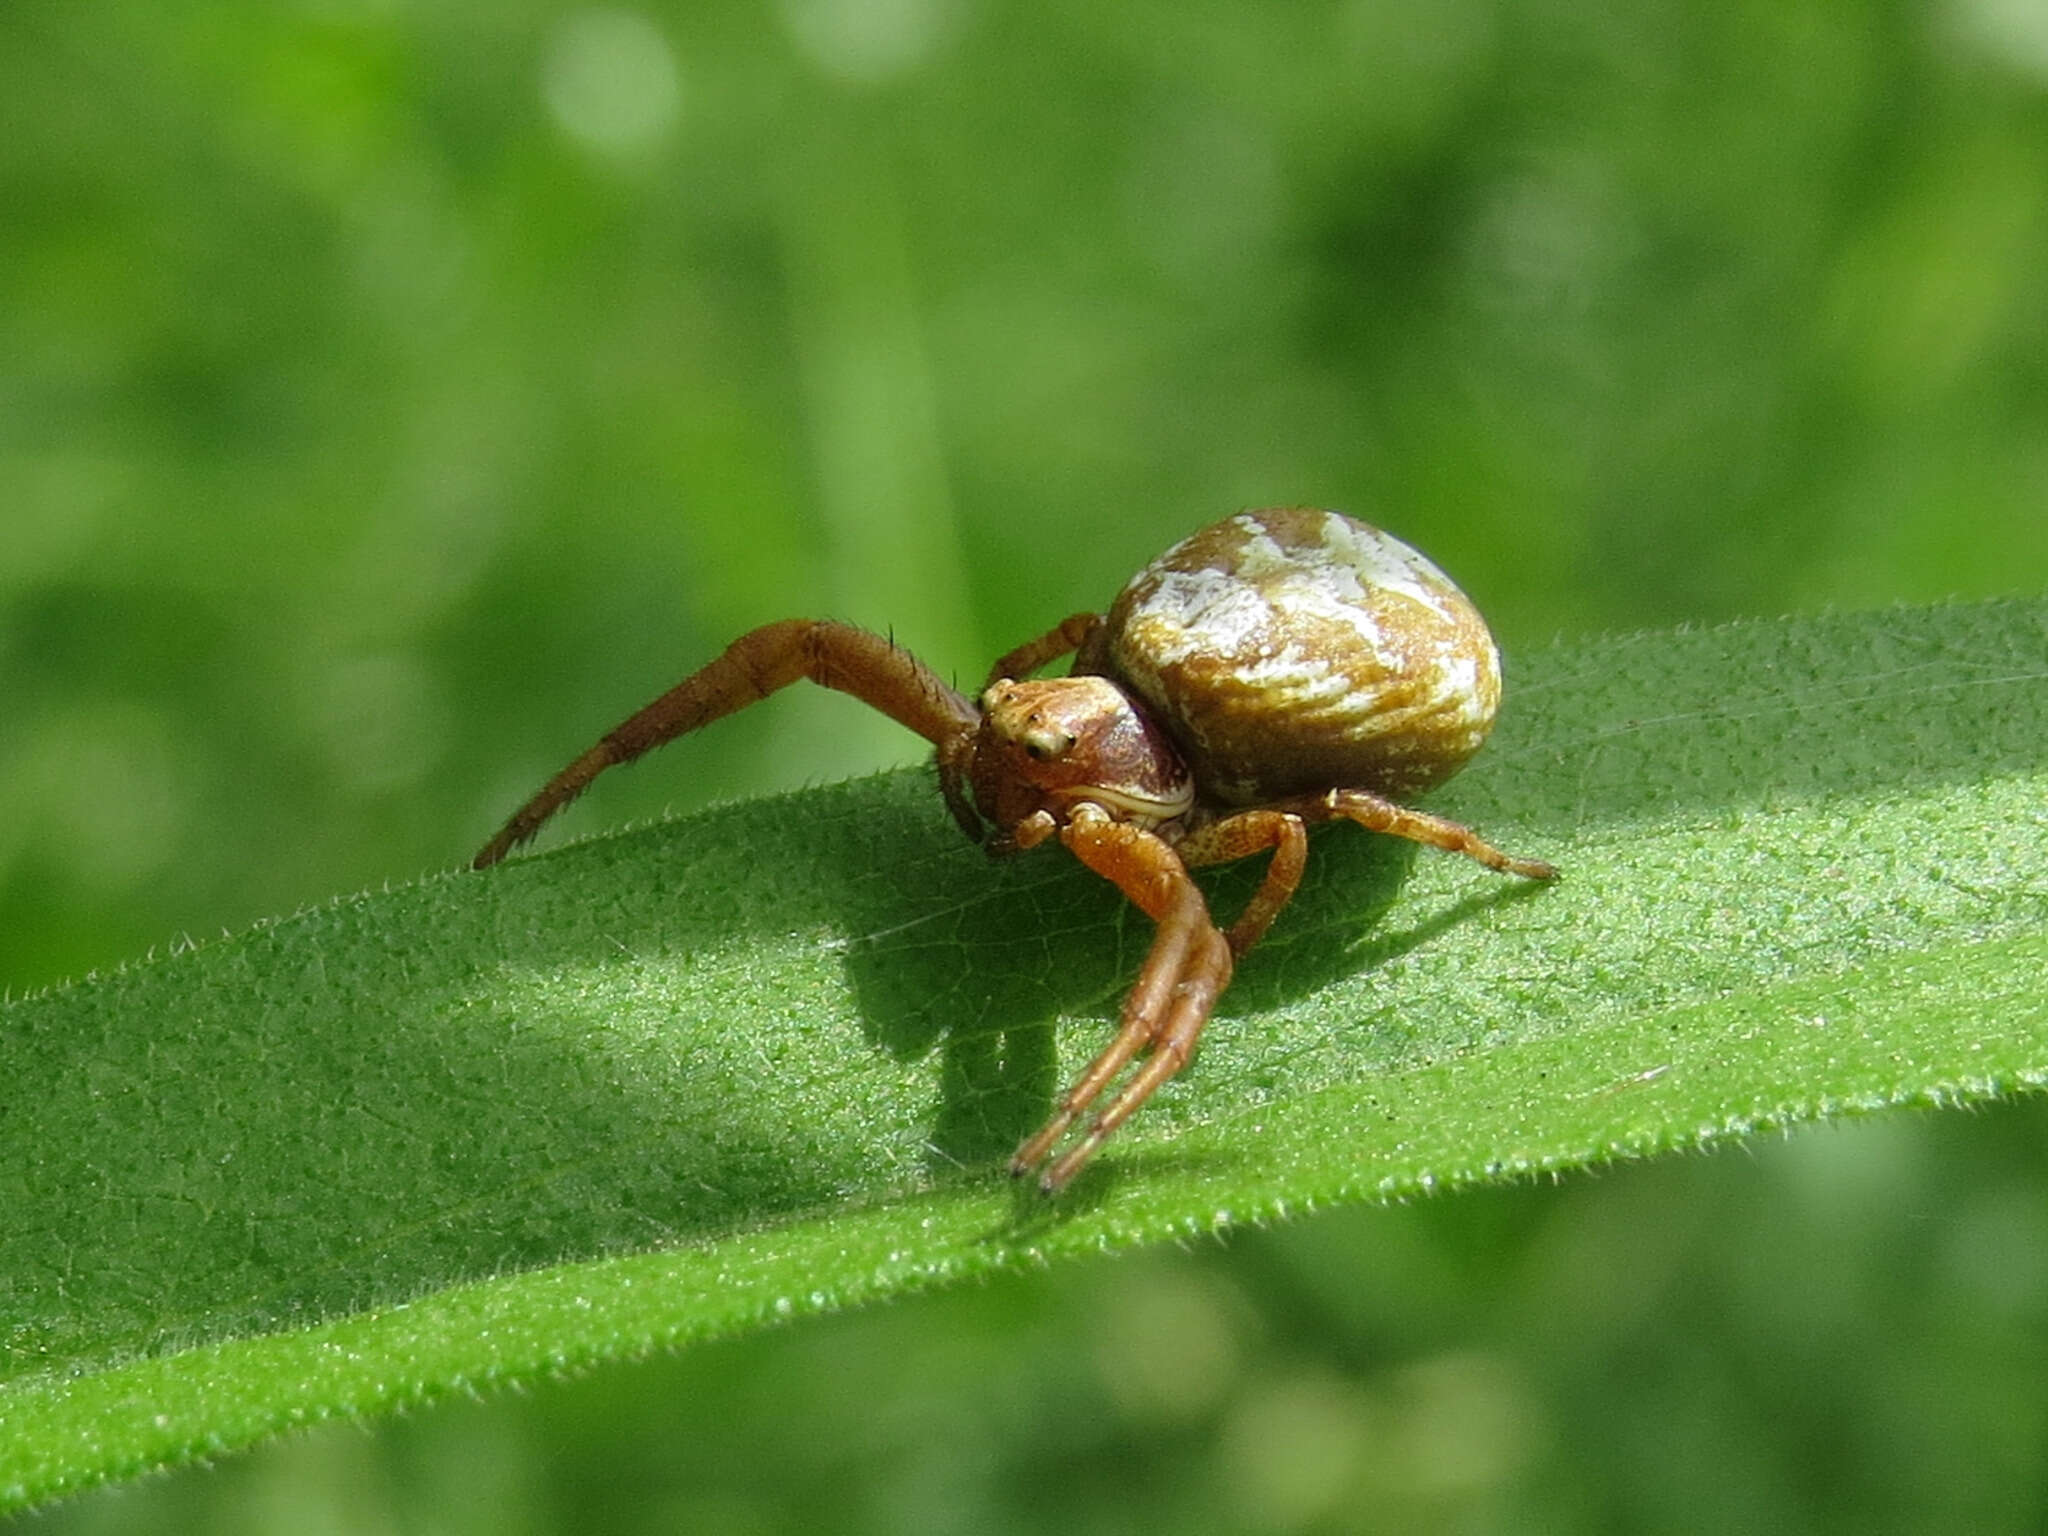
(1291, 650)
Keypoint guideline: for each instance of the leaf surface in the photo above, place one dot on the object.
(693, 1078)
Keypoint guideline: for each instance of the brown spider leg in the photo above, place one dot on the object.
(1070, 634)
(1172, 1048)
(1187, 967)
(873, 669)
(1380, 815)
(1239, 836)
(1155, 989)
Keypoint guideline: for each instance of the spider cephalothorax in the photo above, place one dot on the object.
(1276, 669)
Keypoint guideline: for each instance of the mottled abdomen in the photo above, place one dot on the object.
(1293, 650)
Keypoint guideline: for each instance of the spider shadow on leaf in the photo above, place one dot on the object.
(1017, 974)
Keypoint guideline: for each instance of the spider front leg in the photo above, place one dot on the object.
(1186, 970)
(873, 669)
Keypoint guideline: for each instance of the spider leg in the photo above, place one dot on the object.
(1173, 1047)
(874, 670)
(1382, 815)
(1155, 989)
(1069, 635)
(1188, 966)
(1237, 837)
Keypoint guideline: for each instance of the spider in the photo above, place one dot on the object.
(1275, 670)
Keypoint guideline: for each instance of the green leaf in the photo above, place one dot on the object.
(695, 1078)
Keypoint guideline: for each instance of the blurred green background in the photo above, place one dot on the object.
(393, 397)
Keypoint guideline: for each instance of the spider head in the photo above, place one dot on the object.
(1053, 744)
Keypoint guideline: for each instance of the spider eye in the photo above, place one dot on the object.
(1042, 744)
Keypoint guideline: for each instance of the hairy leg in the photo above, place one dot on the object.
(1186, 969)
(873, 669)
(1239, 836)
(1069, 635)
(1383, 815)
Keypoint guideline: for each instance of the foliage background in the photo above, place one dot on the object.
(392, 397)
